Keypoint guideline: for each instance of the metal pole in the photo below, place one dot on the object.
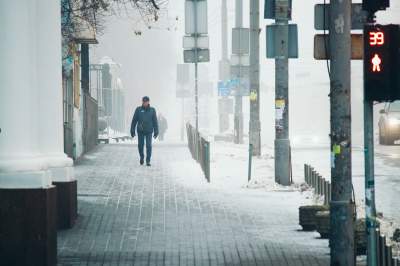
(341, 207)
(238, 123)
(255, 125)
(224, 30)
(196, 89)
(250, 162)
(224, 63)
(183, 120)
(282, 142)
(370, 209)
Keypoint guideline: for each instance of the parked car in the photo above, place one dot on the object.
(389, 124)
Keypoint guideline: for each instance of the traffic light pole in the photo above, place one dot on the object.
(341, 206)
(282, 142)
(255, 125)
(370, 208)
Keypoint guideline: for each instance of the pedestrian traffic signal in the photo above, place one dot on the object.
(375, 5)
(382, 62)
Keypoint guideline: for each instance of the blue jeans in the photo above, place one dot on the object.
(142, 137)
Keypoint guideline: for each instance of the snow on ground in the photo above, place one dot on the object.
(229, 166)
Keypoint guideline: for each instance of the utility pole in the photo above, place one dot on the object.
(282, 142)
(342, 206)
(238, 122)
(255, 125)
(196, 68)
(224, 72)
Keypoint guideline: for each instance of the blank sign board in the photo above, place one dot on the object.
(196, 17)
(321, 47)
(273, 50)
(203, 55)
(201, 42)
(358, 16)
(240, 41)
(183, 74)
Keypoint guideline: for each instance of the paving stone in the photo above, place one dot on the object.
(135, 215)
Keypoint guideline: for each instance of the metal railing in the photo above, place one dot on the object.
(384, 251)
(321, 186)
(200, 149)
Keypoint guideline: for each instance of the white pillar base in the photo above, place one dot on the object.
(61, 167)
(29, 172)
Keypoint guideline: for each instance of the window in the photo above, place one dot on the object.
(394, 106)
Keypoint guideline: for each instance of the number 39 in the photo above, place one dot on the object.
(376, 38)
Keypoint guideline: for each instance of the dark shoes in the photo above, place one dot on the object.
(142, 162)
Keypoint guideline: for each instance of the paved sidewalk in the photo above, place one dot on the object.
(136, 215)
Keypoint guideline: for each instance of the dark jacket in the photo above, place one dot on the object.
(146, 121)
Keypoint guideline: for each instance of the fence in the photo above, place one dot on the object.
(384, 251)
(200, 149)
(321, 186)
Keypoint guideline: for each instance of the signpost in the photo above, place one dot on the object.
(281, 45)
(196, 41)
(239, 66)
(340, 47)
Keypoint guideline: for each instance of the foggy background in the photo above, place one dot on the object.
(148, 67)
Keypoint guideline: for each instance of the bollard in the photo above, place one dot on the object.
(312, 178)
(378, 249)
(321, 188)
(382, 250)
(326, 193)
(305, 173)
(250, 162)
(388, 252)
(207, 161)
(329, 192)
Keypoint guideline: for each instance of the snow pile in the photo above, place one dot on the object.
(111, 133)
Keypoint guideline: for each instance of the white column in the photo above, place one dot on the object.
(48, 49)
(21, 163)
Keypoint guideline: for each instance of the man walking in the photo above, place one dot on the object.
(145, 118)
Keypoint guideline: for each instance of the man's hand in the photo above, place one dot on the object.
(155, 136)
(133, 135)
